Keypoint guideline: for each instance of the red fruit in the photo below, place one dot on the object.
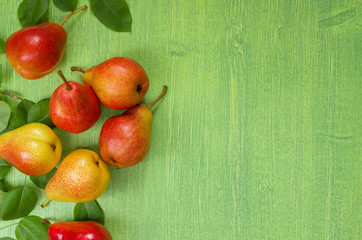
(36, 51)
(87, 230)
(119, 83)
(126, 139)
(74, 107)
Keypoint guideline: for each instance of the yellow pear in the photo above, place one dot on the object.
(34, 149)
(82, 176)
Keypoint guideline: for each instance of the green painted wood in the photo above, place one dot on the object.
(259, 136)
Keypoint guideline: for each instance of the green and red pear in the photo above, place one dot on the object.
(80, 230)
(119, 83)
(73, 106)
(36, 51)
(34, 149)
(126, 139)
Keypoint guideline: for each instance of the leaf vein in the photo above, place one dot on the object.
(115, 13)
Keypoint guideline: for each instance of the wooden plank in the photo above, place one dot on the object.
(259, 135)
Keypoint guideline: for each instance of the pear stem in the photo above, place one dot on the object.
(77, 10)
(11, 95)
(159, 97)
(77, 69)
(44, 204)
(46, 221)
(67, 85)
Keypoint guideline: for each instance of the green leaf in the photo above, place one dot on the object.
(6, 238)
(44, 18)
(39, 112)
(42, 181)
(4, 186)
(114, 14)
(1, 74)
(19, 202)
(31, 11)
(21, 114)
(10, 125)
(66, 5)
(2, 46)
(89, 211)
(32, 228)
(4, 168)
(19, 117)
(5, 113)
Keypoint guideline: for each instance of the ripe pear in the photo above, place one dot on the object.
(87, 230)
(126, 139)
(74, 107)
(82, 176)
(34, 149)
(119, 83)
(37, 50)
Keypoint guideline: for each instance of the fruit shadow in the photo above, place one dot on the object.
(7, 72)
(126, 183)
(117, 226)
(127, 179)
(156, 106)
(107, 113)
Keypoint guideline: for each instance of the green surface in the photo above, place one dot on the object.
(259, 136)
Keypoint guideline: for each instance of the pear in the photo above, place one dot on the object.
(36, 51)
(82, 176)
(77, 230)
(34, 149)
(119, 83)
(126, 139)
(73, 106)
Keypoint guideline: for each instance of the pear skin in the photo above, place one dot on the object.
(119, 83)
(23, 54)
(82, 176)
(36, 51)
(73, 106)
(34, 149)
(78, 230)
(126, 139)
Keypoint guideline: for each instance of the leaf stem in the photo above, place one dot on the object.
(11, 95)
(159, 97)
(67, 85)
(71, 14)
(77, 69)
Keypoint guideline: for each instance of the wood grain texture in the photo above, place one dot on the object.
(259, 135)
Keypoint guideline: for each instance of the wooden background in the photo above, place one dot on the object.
(259, 135)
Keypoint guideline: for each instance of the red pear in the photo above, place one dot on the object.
(74, 107)
(119, 83)
(126, 139)
(87, 230)
(37, 50)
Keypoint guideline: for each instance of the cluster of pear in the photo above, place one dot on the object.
(118, 83)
